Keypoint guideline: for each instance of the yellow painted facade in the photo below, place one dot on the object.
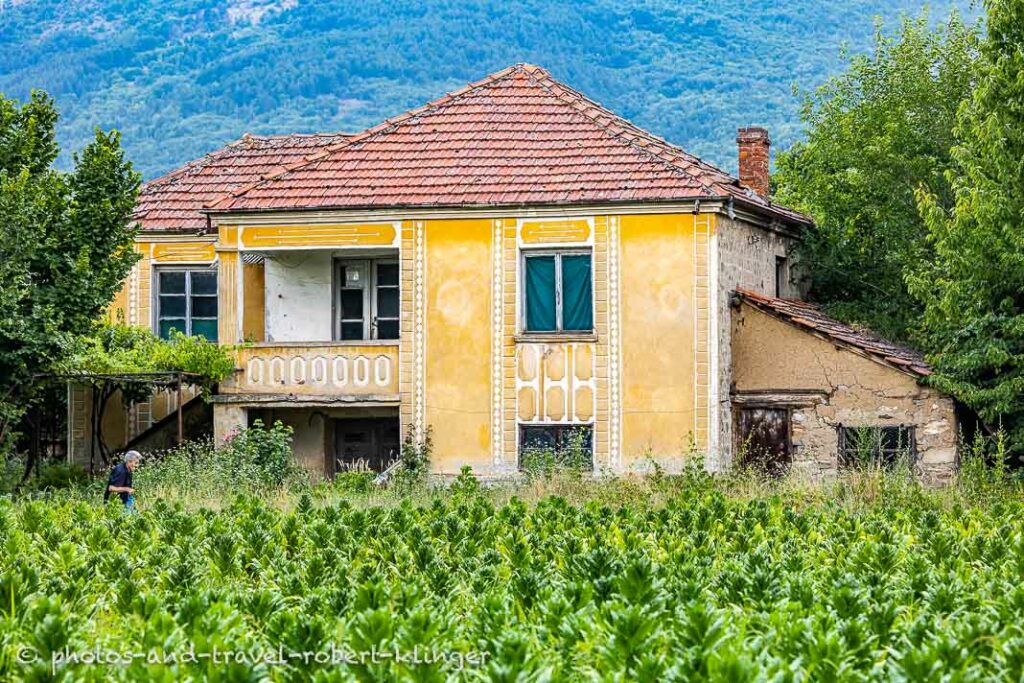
(463, 364)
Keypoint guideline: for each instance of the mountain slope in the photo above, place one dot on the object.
(182, 78)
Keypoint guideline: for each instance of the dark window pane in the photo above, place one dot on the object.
(539, 437)
(351, 303)
(387, 303)
(172, 283)
(204, 307)
(559, 445)
(577, 297)
(387, 329)
(205, 328)
(173, 323)
(352, 330)
(204, 282)
(540, 293)
(387, 274)
(172, 307)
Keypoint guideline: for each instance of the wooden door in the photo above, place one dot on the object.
(371, 443)
(764, 442)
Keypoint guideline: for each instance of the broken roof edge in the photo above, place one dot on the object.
(909, 361)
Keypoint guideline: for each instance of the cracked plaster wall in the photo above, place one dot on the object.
(772, 356)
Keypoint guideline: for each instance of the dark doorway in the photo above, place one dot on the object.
(764, 443)
(365, 444)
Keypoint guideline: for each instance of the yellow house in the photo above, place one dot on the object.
(509, 265)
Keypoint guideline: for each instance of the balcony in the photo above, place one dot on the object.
(315, 372)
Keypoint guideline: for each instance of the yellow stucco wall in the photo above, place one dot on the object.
(458, 342)
(658, 314)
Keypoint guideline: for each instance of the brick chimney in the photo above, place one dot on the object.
(753, 145)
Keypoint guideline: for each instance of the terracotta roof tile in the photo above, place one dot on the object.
(809, 317)
(515, 137)
(174, 202)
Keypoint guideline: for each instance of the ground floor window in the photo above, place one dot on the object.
(879, 446)
(552, 446)
(764, 439)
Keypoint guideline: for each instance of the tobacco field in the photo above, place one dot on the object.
(702, 587)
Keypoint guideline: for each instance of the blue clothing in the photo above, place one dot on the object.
(120, 476)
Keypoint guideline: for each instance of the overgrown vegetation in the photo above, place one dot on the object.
(662, 578)
(65, 248)
(876, 135)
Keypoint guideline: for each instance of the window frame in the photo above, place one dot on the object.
(558, 253)
(188, 270)
(562, 427)
(781, 276)
(883, 457)
(371, 329)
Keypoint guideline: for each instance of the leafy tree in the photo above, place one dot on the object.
(876, 134)
(973, 292)
(122, 360)
(65, 246)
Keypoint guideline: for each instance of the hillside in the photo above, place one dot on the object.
(182, 78)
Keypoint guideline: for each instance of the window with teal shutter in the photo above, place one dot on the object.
(559, 292)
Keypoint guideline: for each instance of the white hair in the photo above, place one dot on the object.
(132, 455)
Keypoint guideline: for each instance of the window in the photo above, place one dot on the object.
(781, 276)
(559, 292)
(876, 446)
(187, 301)
(368, 300)
(556, 445)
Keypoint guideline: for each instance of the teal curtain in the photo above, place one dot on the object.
(540, 293)
(577, 293)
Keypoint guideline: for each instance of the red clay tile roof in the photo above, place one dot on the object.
(174, 202)
(518, 137)
(808, 317)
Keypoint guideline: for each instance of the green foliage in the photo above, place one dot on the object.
(180, 79)
(256, 459)
(875, 135)
(414, 460)
(65, 245)
(119, 349)
(708, 586)
(972, 291)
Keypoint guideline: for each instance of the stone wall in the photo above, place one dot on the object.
(745, 258)
(825, 386)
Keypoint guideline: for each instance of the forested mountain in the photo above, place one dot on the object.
(182, 77)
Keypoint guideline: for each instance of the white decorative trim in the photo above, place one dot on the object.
(569, 384)
(614, 348)
(713, 461)
(419, 331)
(554, 244)
(497, 338)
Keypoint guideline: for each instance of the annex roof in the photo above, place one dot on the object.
(809, 317)
(174, 202)
(517, 137)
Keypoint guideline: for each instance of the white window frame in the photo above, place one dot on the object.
(370, 317)
(559, 321)
(187, 270)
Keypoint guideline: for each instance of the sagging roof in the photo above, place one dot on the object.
(517, 137)
(174, 202)
(810, 318)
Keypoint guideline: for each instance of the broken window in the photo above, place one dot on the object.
(559, 293)
(186, 300)
(781, 276)
(368, 300)
(876, 446)
(556, 445)
(764, 443)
